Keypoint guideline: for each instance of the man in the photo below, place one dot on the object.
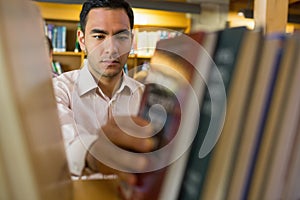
(50, 51)
(91, 100)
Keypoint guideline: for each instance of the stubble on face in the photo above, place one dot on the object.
(105, 68)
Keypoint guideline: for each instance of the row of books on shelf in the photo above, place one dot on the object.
(145, 40)
(57, 35)
(232, 131)
(143, 44)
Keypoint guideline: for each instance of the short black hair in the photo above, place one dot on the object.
(111, 4)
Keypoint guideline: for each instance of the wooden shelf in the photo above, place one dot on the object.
(143, 17)
(57, 11)
(95, 189)
(67, 53)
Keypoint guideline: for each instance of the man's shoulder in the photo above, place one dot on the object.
(66, 80)
(133, 80)
(132, 83)
(67, 77)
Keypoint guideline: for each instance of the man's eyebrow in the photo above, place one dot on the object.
(98, 31)
(122, 31)
(125, 31)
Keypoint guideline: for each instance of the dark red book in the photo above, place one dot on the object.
(168, 88)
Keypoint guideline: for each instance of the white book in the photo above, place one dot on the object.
(33, 162)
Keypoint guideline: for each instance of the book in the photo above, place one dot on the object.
(33, 161)
(170, 102)
(259, 106)
(62, 38)
(255, 117)
(54, 38)
(49, 31)
(291, 181)
(212, 112)
(57, 67)
(292, 178)
(223, 154)
(282, 129)
(175, 172)
(248, 60)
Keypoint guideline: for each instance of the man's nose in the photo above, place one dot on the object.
(111, 46)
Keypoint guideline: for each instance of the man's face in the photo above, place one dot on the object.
(107, 41)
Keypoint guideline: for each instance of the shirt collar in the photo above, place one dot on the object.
(86, 82)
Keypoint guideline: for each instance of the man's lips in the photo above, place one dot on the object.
(111, 62)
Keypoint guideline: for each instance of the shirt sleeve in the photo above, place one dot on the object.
(76, 145)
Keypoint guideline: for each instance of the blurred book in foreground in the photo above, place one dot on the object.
(175, 85)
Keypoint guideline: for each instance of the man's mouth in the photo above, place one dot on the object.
(108, 61)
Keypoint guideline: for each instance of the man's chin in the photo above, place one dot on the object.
(111, 73)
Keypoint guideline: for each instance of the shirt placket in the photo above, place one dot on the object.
(111, 106)
(109, 110)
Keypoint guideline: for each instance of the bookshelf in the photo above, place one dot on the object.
(64, 15)
(146, 20)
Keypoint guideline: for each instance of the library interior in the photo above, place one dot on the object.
(220, 79)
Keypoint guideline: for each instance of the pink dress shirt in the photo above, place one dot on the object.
(83, 109)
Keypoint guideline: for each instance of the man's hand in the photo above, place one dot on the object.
(117, 149)
(131, 133)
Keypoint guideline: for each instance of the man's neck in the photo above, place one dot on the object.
(109, 85)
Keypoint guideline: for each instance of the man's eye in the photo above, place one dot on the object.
(122, 37)
(99, 37)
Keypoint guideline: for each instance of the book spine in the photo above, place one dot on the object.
(251, 185)
(54, 39)
(59, 39)
(212, 108)
(166, 132)
(164, 103)
(64, 38)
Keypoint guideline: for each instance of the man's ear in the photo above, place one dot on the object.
(81, 41)
(132, 36)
